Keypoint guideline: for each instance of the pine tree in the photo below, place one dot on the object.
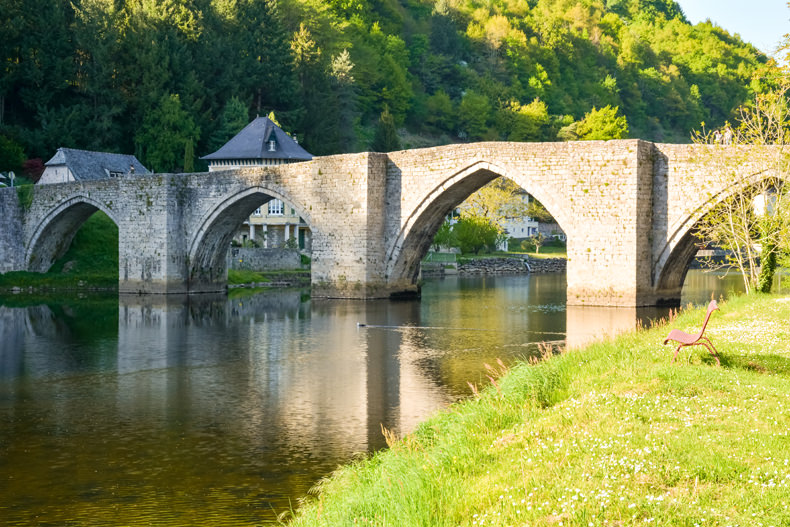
(164, 135)
(386, 138)
(234, 118)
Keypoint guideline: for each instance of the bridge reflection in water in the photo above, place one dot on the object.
(221, 410)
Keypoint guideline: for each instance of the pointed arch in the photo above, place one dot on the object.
(53, 235)
(417, 232)
(677, 253)
(207, 256)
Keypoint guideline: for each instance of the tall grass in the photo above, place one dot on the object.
(613, 434)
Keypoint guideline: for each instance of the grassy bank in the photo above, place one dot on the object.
(90, 262)
(609, 435)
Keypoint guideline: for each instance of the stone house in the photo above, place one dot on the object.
(263, 143)
(70, 164)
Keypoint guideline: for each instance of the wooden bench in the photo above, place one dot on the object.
(698, 339)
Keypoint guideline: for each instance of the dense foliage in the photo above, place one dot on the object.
(164, 78)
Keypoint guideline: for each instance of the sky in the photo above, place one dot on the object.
(761, 22)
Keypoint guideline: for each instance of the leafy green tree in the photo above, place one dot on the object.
(496, 202)
(602, 124)
(386, 137)
(473, 114)
(318, 118)
(475, 233)
(445, 237)
(537, 241)
(166, 134)
(439, 112)
(525, 122)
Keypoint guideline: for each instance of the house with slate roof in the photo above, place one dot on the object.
(263, 143)
(70, 164)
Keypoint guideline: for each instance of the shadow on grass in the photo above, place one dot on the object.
(770, 364)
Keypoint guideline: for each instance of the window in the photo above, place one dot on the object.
(272, 146)
(115, 174)
(257, 212)
(275, 207)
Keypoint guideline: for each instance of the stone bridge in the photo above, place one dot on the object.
(628, 208)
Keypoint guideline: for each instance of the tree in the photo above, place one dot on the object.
(33, 169)
(445, 237)
(751, 221)
(234, 118)
(537, 240)
(165, 136)
(11, 154)
(538, 212)
(473, 114)
(345, 92)
(475, 233)
(602, 124)
(496, 202)
(386, 138)
(439, 112)
(528, 122)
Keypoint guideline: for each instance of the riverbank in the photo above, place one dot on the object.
(612, 434)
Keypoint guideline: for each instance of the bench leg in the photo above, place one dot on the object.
(708, 344)
(675, 356)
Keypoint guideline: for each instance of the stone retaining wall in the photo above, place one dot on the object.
(259, 259)
(501, 266)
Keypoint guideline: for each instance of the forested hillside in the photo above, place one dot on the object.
(171, 80)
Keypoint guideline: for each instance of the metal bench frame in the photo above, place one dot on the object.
(698, 339)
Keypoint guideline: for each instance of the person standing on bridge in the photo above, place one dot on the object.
(727, 136)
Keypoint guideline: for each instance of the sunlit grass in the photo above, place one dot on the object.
(613, 434)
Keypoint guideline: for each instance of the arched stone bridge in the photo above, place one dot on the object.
(627, 207)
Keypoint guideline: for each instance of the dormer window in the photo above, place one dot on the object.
(272, 146)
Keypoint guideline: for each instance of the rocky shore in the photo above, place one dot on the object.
(497, 266)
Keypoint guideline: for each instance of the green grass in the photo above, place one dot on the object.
(238, 276)
(612, 434)
(548, 251)
(90, 261)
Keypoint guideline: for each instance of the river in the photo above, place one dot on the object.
(227, 410)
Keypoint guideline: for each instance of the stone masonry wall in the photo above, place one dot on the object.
(12, 245)
(626, 206)
(257, 259)
(596, 190)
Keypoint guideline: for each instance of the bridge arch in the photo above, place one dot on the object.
(674, 257)
(207, 251)
(53, 234)
(421, 225)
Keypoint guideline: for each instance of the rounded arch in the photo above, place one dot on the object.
(209, 246)
(53, 235)
(417, 232)
(676, 254)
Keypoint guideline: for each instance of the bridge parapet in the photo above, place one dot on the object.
(624, 205)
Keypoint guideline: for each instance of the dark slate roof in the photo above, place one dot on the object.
(87, 165)
(253, 143)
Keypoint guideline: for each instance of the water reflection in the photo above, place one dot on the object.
(219, 410)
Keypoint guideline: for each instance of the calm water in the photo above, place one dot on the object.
(223, 411)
